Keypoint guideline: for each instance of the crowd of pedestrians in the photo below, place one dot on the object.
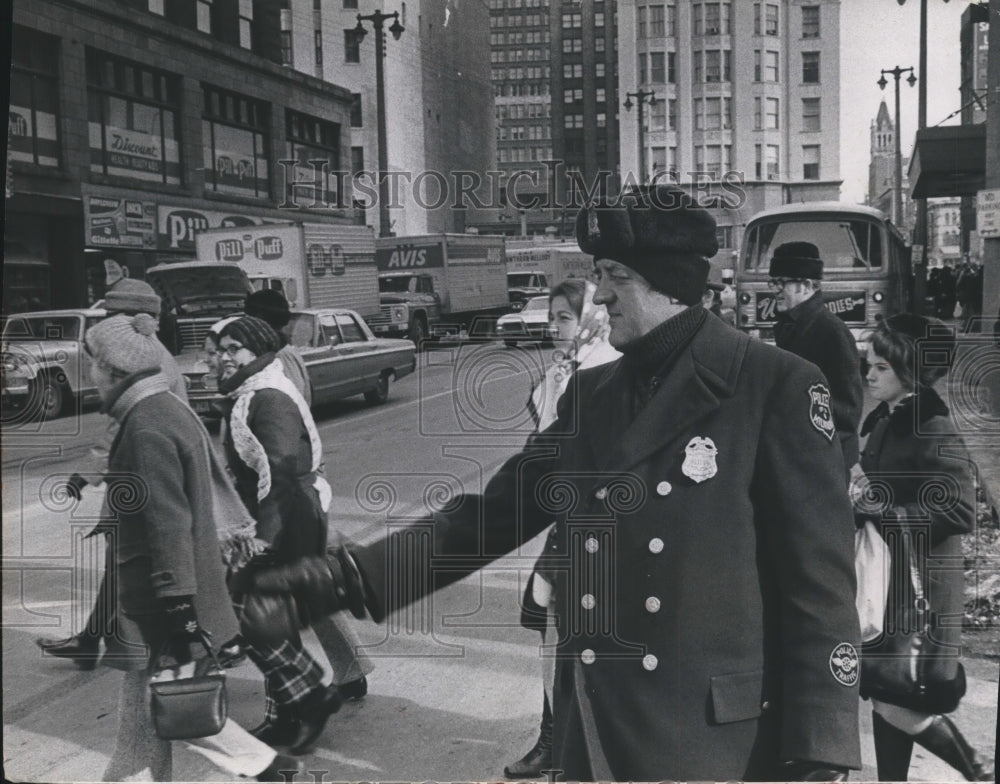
(696, 600)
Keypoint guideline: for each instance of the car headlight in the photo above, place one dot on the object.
(878, 296)
(398, 314)
(745, 298)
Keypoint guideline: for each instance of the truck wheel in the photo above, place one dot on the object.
(380, 394)
(418, 332)
(49, 396)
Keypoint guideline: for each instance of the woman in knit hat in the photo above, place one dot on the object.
(932, 495)
(171, 582)
(276, 458)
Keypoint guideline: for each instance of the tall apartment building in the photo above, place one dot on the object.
(438, 96)
(746, 87)
(136, 123)
(944, 235)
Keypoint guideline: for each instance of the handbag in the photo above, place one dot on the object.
(908, 668)
(194, 707)
(872, 565)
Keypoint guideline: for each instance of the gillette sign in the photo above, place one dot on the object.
(238, 248)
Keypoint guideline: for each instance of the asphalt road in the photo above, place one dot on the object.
(456, 690)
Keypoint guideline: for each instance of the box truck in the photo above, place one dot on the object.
(533, 271)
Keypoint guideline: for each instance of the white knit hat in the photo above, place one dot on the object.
(126, 343)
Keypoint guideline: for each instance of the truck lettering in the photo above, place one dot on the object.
(843, 305)
(229, 250)
(766, 308)
(408, 257)
(268, 248)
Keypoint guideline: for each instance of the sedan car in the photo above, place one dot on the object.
(341, 354)
(529, 323)
(45, 367)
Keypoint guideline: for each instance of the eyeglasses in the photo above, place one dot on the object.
(232, 349)
(778, 284)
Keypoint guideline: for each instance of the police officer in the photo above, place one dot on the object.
(705, 591)
(806, 327)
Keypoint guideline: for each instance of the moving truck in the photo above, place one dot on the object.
(315, 265)
(440, 285)
(532, 272)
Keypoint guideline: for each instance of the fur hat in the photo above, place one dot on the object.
(268, 305)
(252, 333)
(132, 296)
(796, 260)
(127, 344)
(658, 231)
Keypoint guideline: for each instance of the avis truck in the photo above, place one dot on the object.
(438, 286)
(315, 265)
(532, 272)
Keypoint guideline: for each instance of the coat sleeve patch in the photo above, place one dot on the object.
(820, 414)
(845, 664)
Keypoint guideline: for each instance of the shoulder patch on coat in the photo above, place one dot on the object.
(845, 664)
(820, 414)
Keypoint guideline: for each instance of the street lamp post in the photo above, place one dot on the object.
(920, 227)
(897, 201)
(396, 29)
(642, 97)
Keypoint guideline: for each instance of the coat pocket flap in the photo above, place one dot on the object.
(736, 697)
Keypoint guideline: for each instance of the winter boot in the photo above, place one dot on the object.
(539, 759)
(892, 750)
(943, 739)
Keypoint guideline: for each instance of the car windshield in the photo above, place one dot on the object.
(521, 279)
(537, 303)
(395, 285)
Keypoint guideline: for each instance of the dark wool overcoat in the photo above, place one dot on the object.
(161, 491)
(922, 470)
(814, 333)
(706, 597)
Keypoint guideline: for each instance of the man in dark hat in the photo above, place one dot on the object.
(805, 326)
(705, 590)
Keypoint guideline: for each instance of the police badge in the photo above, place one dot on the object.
(699, 459)
(819, 410)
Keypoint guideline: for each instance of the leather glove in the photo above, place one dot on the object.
(268, 620)
(813, 771)
(74, 486)
(182, 627)
(321, 585)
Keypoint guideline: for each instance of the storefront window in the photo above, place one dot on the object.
(234, 139)
(133, 114)
(33, 120)
(314, 145)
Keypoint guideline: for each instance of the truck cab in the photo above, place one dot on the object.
(523, 285)
(408, 305)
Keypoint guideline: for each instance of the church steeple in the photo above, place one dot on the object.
(883, 133)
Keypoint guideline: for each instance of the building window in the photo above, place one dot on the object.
(717, 65)
(811, 114)
(203, 16)
(658, 155)
(642, 29)
(314, 145)
(657, 68)
(573, 95)
(713, 113)
(598, 70)
(573, 121)
(132, 112)
(810, 67)
(352, 46)
(642, 69)
(571, 20)
(671, 68)
(758, 115)
(602, 120)
(572, 45)
(756, 18)
(716, 19)
(724, 236)
(810, 162)
(810, 21)
(656, 22)
(572, 70)
(235, 143)
(318, 44)
(770, 66)
(657, 115)
(352, 4)
(770, 19)
(756, 65)
(246, 24)
(771, 114)
(598, 19)
(759, 158)
(357, 119)
(672, 114)
(599, 43)
(33, 117)
(772, 162)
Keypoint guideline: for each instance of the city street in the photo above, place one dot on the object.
(455, 694)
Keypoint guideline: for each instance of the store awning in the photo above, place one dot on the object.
(949, 160)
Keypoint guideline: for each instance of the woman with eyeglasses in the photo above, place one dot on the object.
(276, 458)
(912, 462)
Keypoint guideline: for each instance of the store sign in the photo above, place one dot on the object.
(177, 226)
(120, 223)
(988, 213)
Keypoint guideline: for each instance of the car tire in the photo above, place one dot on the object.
(510, 343)
(380, 393)
(49, 396)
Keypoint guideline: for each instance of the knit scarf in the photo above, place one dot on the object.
(249, 448)
(234, 526)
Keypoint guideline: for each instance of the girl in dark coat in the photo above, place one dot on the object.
(903, 460)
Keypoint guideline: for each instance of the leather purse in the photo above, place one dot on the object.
(908, 667)
(195, 707)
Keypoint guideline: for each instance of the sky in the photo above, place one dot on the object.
(877, 34)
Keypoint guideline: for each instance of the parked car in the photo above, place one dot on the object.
(529, 323)
(341, 353)
(45, 367)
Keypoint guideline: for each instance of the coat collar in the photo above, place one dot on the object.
(704, 373)
(908, 415)
(804, 310)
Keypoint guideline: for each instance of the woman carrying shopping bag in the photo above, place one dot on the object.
(918, 486)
